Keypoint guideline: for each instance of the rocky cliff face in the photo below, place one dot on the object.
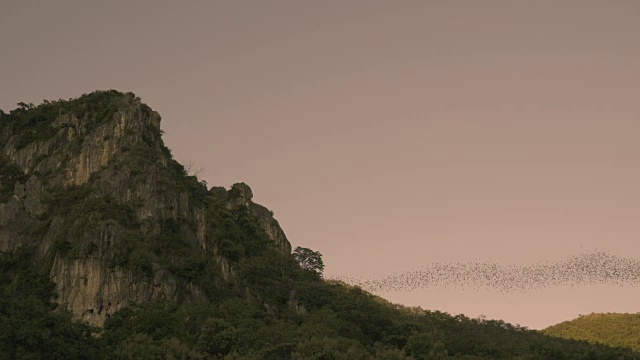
(241, 195)
(89, 184)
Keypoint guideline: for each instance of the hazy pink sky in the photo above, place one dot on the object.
(385, 134)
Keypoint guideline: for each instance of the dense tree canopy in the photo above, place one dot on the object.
(309, 259)
(339, 322)
(610, 329)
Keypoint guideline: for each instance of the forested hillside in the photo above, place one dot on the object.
(609, 329)
(109, 249)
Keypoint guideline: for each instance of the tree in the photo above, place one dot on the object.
(193, 170)
(426, 346)
(217, 337)
(309, 259)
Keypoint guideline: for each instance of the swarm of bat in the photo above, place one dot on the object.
(595, 268)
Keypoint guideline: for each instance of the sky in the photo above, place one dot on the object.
(387, 135)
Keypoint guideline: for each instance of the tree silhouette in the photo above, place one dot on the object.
(309, 259)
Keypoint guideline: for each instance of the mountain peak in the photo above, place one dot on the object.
(89, 185)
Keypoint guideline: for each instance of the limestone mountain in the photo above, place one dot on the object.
(109, 249)
(90, 185)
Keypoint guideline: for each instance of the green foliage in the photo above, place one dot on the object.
(29, 327)
(9, 175)
(309, 259)
(102, 208)
(218, 337)
(426, 346)
(236, 329)
(61, 200)
(133, 252)
(82, 211)
(98, 105)
(156, 319)
(618, 330)
(236, 233)
(33, 123)
(143, 347)
(325, 348)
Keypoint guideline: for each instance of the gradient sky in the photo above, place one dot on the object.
(385, 134)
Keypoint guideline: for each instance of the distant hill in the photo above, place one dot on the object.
(610, 329)
(110, 249)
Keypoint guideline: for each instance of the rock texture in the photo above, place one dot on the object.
(92, 186)
(241, 195)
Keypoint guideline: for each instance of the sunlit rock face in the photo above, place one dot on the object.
(89, 181)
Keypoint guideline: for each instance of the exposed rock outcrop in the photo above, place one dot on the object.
(89, 182)
(241, 195)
